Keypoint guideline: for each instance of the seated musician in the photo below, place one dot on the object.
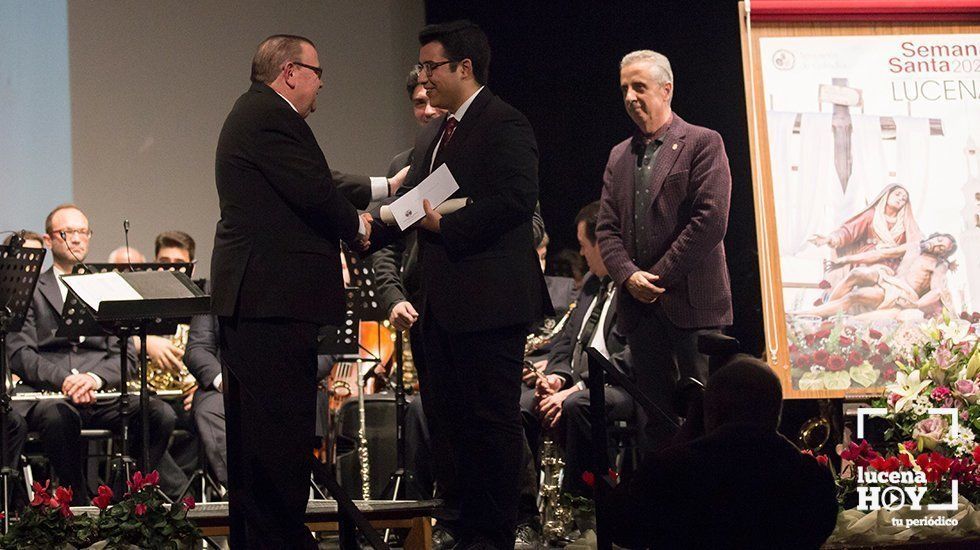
(76, 368)
(166, 359)
(562, 394)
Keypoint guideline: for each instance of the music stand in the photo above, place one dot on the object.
(136, 303)
(343, 340)
(19, 272)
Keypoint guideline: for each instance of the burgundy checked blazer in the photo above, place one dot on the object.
(691, 186)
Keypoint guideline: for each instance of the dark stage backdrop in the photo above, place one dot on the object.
(558, 62)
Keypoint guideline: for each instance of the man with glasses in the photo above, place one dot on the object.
(275, 280)
(77, 368)
(472, 339)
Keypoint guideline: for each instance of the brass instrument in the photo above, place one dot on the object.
(556, 518)
(161, 378)
(540, 339)
(816, 432)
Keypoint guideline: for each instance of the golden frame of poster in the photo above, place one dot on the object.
(841, 356)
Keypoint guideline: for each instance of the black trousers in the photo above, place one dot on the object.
(419, 459)
(575, 428)
(269, 383)
(471, 388)
(59, 423)
(664, 353)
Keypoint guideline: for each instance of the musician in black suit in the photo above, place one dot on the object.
(481, 286)
(44, 361)
(563, 398)
(276, 278)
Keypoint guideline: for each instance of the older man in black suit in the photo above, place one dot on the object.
(76, 368)
(276, 278)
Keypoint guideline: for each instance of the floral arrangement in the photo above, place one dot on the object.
(940, 370)
(838, 354)
(48, 522)
(140, 519)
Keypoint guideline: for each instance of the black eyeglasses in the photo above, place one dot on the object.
(430, 66)
(316, 70)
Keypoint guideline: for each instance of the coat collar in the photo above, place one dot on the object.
(673, 144)
(47, 285)
(469, 121)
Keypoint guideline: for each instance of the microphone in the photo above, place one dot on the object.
(17, 239)
(126, 237)
(64, 237)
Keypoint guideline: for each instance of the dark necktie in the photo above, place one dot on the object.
(447, 132)
(588, 330)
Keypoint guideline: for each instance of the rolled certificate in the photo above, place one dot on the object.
(447, 207)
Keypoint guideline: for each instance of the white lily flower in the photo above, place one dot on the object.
(908, 387)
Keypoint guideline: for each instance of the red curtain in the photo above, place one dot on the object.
(865, 10)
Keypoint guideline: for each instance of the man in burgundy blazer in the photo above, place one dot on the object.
(663, 216)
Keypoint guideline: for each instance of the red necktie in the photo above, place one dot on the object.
(447, 132)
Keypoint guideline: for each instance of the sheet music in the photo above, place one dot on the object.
(95, 288)
(437, 187)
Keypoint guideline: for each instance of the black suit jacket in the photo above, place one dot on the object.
(202, 356)
(481, 272)
(276, 245)
(355, 187)
(563, 346)
(43, 360)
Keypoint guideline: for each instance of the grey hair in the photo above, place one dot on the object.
(659, 66)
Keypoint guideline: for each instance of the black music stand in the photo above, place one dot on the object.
(343, 340)
(19, 272)
(152, 298)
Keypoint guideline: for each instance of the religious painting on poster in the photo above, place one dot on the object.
(875, 197)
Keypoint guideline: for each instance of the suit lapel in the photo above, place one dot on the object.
(465, 127)
(427, 139)
(670, 149)
(47, 284)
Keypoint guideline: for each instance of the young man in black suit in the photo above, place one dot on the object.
(481, 283)
(276, 278)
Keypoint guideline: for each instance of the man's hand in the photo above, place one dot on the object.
(403, 315)
(80, 388)
(396, 181)
(364, 240)
(550, 407)
(163, 352)
(532, 372)
(432, 218)
(548, 385)
(189, 397)
(640, 285)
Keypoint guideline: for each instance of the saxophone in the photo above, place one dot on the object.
(556, 518)
(160, 378)
(538, 340)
